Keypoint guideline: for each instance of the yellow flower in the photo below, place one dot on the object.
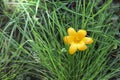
(77, 40)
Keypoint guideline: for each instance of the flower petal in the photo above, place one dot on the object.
(73, 48)
(81, 33)
(87, 40)
(68, 39)
(81, 46)
(71, 32)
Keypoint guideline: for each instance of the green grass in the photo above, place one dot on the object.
(31, 40)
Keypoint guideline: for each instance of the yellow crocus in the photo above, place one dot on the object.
(77, 40)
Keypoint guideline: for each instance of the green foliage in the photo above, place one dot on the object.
(31, 40)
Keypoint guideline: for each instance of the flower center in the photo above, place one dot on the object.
(77, 39)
